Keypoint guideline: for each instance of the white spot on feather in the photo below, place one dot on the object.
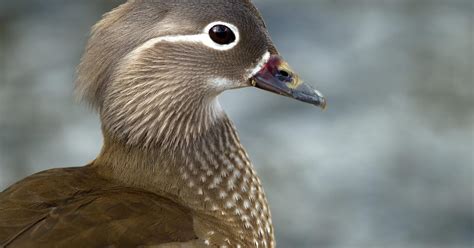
(200, 192)
(222, 84)
(222, 194)
(229, 204)
(246, 204)
(236, 196)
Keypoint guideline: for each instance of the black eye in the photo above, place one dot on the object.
(222, 35)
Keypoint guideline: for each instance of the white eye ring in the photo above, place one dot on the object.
(221, 47)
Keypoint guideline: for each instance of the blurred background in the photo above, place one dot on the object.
(389, 164)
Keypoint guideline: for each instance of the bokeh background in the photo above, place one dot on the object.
(389, 164)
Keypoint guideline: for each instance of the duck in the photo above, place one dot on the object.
(172, 171)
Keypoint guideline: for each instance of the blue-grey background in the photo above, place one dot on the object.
(389, 164)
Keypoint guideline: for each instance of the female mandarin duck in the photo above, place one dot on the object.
(172, 172)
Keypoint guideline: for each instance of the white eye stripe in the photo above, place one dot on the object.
(202, 38)
(261, 63)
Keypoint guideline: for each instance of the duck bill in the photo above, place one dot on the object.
(276, 76)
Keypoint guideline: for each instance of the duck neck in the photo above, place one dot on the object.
(212, 175)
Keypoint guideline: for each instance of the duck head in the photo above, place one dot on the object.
(154, 69)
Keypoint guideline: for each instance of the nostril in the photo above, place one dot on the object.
(284, 73)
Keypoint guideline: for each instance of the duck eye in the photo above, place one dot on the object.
(222, 34)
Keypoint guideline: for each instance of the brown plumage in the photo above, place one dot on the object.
(78, 208)
(172, 171)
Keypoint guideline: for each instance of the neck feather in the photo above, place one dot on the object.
(158, 120)
(210, 172)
